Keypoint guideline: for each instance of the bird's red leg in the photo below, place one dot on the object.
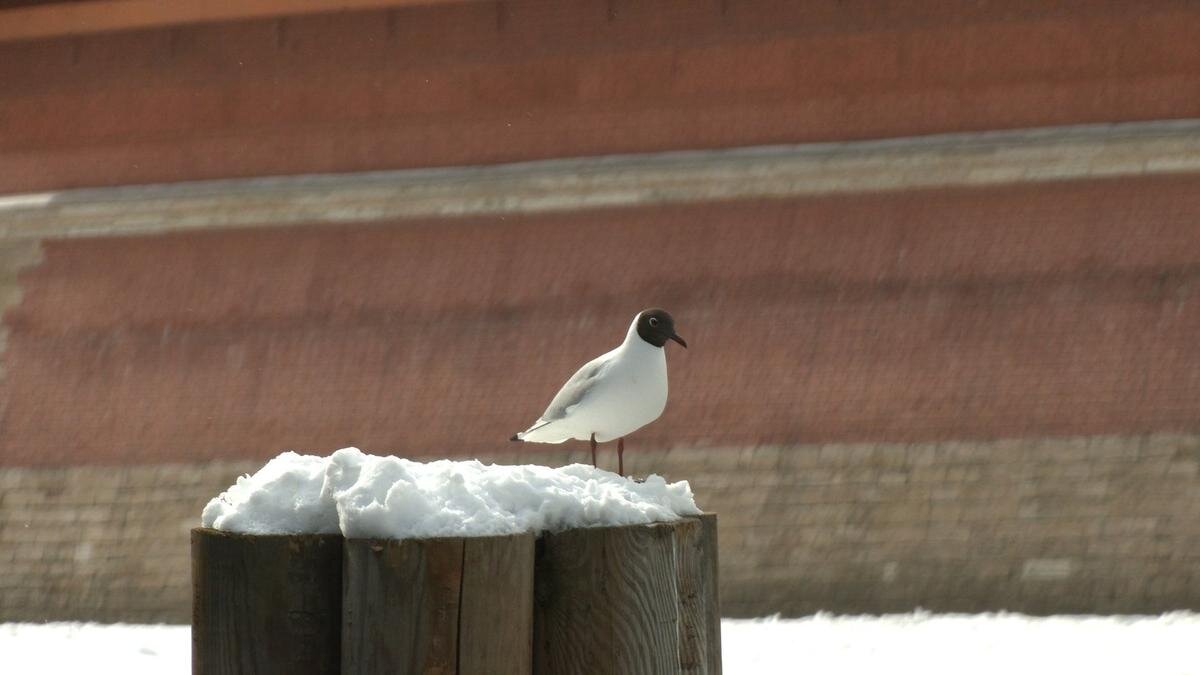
(593, 451)
(621, 456)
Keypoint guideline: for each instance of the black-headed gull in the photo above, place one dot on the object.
(614, 394)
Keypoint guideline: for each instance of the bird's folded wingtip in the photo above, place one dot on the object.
(514, 438)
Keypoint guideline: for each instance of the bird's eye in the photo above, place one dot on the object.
(653, 321)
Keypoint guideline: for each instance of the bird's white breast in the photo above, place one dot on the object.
(633, 393)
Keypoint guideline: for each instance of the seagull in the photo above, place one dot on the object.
(615, 393)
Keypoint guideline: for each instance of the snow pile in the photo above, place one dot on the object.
(284, 497)
(365, 496)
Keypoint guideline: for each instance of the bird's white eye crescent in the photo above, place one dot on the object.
(653, 321)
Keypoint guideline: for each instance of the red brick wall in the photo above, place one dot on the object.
(1048, 309)
(1102, 524)
(502, 81)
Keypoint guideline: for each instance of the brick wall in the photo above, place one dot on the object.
(1098, 524)
(851, 357)
(1075, 525)
(483, 82)
(102, 544)
(854, 355)
(1031, 310)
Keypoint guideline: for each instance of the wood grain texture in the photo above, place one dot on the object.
(570, 611)
(496, 612)
(693, 629)
(699, 603)
(608, 600)
(644, 607)
(401, 601)
(712, 591)
(265, 604)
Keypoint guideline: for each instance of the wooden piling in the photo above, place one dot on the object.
(449, 606)
(699, 603)
(630, 600)
(265, 603)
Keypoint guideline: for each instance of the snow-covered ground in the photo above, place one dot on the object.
(981, 644)
(928, 644)
(104, 649)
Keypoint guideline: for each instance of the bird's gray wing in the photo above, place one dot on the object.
(575, 390)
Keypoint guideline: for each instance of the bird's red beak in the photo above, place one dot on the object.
(679, 340)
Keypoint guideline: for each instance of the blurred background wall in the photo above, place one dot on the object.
(956, 372)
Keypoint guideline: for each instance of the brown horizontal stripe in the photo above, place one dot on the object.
(52, 19)
(484, 83)
(983, 159)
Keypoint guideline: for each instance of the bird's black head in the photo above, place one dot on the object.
(656, 327)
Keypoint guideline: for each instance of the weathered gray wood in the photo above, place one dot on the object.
(265, 603)
(607, 602)
(496, 611)
(712, 591)
(438, 606)
(400, 606)
(640, 567)
(569, 626)
(637, 599)
(699, 604)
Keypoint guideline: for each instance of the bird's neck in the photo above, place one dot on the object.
(634, 342)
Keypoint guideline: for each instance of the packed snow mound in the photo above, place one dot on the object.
(284, 497)
(365, 496)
